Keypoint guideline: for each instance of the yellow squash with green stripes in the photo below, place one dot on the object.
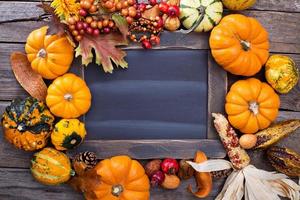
(67, 134)
(200, 15)
(51, 167)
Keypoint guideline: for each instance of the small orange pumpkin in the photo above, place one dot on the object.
(251, 105)
(240, 44)
(68, 96)
(49, 55)
(117, 178)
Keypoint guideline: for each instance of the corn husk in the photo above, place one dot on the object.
(251, 183)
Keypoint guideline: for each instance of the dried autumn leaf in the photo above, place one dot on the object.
(105, 49)
(121, 24)
(151, 13)
(31, 81)
(55, 25)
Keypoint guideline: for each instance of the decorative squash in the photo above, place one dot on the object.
(238, 4)
(27, 124)
(282, 73)
(119, 178)
(251, 105)
(68, 96)
(240, 44)
(203, 179)
(67, 134)
(51, 167)
(49, 55)
(200, 15)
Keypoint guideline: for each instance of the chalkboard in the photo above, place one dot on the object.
(162, 95)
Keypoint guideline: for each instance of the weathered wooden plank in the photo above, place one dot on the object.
(276, 23)
(18, 184)
(150, 149)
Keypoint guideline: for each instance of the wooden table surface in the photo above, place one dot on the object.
(280, 17)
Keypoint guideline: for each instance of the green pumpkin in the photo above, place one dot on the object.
(27, 123)
(68, 133)
(200, 15)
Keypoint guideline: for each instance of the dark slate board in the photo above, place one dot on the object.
(162, 95)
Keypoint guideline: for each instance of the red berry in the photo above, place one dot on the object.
(155, 40)
(79, 25)
(146, 44)
(85, 25)
(152, 2)
(173, 11)
(89, 30)
(160, 22)
(142, 7)
(169, 166)
(138, 15)
(157, 178)
(163, 7)
(82, 12)
(96, 32)
(106, 30)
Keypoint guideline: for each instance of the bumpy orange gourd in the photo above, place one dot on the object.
(49, 55)
(251, 105)
(68, 96)
(117, 178)
(240, 44)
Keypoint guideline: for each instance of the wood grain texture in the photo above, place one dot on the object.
(275, 22)
(18, 184)
(217, 89)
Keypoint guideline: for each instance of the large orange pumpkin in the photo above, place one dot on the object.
(68, 96)
(49, 55)
(240, 44)
(117, 178)
(251, 105)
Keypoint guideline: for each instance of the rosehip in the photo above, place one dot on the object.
(155, 40)
(106, 30)
(152, 2)
(169, 166)
(138, 15)
(85, 25)
(82, 12)
(146, 44)
(173, 11)
(79, 26)
(157, 178)
(142, 7)
(96, 32)
(160, 22)
(89, 30)
(163, 7)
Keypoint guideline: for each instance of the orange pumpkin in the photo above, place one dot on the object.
(240, 44)
(117, 178)
(49, 55)
(251, 105)
(68, 96)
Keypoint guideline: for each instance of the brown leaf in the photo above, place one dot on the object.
(151, 13)
(55, 25)
(105, 49)
(31, 81)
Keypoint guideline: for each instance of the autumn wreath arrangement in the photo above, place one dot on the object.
(94, 30)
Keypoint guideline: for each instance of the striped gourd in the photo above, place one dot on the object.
(51, 167)
(200, 15)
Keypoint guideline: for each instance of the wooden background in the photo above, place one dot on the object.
(280, 17)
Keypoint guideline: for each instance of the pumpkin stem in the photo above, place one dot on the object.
(116, 190)
(245, 45)
(253, 107)
(42, 53)
(68, 97)
(21, 127)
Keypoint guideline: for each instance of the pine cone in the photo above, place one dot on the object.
(221, 174)
(89, 158)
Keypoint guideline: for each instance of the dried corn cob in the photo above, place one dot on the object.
(284, 160)
(273, 134)
(238, 156)
(221, 174)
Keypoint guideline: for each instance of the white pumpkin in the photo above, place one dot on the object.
(200, 15)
